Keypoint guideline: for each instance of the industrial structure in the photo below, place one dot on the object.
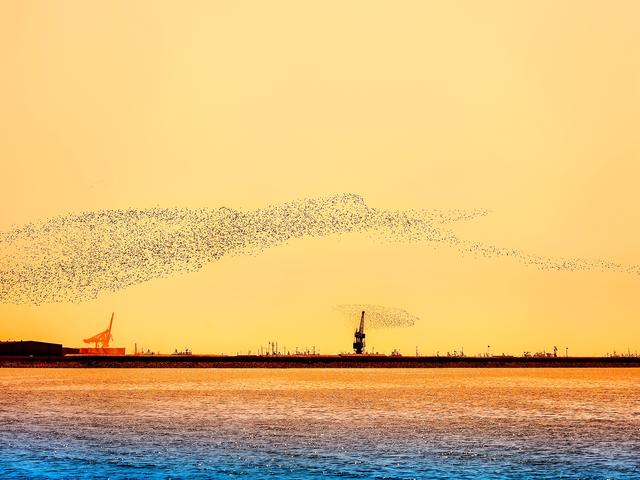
(102, 354)
(102, 338)
(358, 337)
(30, 348)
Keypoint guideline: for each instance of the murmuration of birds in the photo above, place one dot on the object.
(377, 316)
(72, 258)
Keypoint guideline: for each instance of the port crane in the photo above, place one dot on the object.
(103, 337)
(358, 337)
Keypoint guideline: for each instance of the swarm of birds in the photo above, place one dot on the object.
(378, 316)
(72, 258)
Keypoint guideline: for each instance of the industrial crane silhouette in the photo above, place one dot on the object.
(358, 340)
(103, 337)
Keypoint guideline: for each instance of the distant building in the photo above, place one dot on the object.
(30, 348)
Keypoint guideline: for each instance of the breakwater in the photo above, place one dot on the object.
(313, 361)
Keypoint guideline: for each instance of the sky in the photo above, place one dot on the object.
(528, 109)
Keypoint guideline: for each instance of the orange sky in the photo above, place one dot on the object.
(530, 109)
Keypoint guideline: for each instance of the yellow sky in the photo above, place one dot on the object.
(530, 109)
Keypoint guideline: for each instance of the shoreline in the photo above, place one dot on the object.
(313, 361)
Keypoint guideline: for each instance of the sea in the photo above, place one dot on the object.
(320, 423)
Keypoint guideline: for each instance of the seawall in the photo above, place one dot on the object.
(312, 361)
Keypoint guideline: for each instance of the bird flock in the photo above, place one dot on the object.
(72, 258)
(378, 316)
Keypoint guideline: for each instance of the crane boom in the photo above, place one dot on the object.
(110, 324)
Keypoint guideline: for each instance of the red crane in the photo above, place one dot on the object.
(103, 337)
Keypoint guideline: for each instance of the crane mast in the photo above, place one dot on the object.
(358, 337)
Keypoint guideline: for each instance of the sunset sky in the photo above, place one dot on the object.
(529, 109)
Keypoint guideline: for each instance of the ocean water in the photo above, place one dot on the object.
(329, 423)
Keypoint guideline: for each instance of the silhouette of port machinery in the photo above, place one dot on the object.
(101, 342)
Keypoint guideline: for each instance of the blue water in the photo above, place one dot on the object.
(307, 424)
